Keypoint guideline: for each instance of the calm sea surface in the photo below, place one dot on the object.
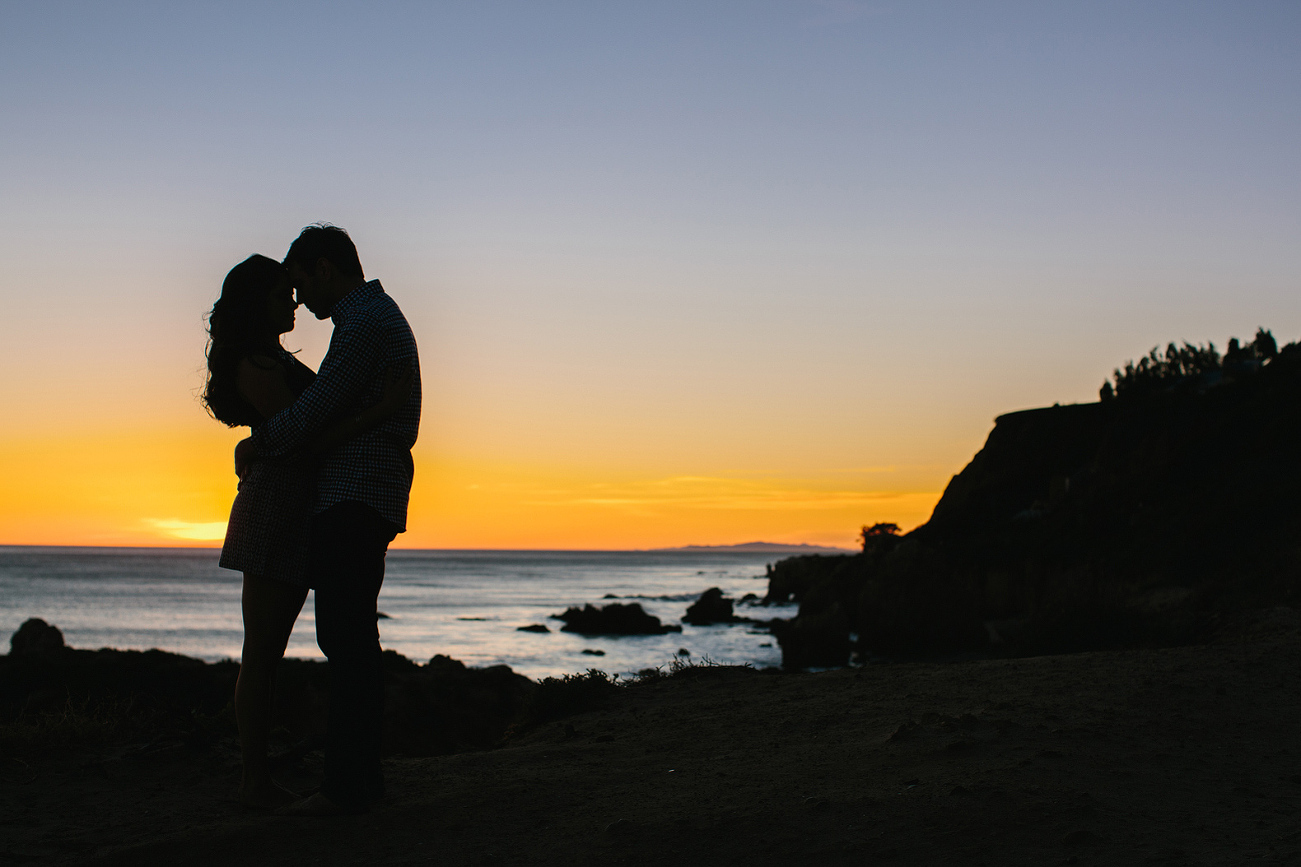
(465, 604)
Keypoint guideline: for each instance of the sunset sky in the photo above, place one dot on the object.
(681, 272)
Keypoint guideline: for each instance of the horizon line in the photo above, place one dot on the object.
(669, 549)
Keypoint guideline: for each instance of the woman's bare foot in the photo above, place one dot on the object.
(267, 796)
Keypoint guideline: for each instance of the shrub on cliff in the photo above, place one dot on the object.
(569, 694)
(880, 538)
(1155, 371)
(1181, 365)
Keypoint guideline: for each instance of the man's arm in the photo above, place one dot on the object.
(351, 365)
(397, 388)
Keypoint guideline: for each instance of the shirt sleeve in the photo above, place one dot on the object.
(349, 368)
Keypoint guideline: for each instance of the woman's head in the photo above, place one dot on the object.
(256, 306)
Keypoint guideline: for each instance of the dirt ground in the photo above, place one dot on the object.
(1175, 756)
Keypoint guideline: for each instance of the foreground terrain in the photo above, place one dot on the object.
(1172, 756)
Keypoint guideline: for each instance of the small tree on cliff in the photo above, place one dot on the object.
(1264, 348)
(879, 538)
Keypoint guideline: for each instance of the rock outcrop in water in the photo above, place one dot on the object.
(36, 638)
(712, 607)
(1148, 518)
(613, 619)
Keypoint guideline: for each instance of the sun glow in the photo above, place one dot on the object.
(204, 531)
(109, 488)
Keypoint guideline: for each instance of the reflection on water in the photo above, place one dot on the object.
(465, 604)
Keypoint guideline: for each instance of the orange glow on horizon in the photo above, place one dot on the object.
(173, 488)
(157, 489)
(479, 505)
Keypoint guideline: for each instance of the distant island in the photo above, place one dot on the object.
(759, 547)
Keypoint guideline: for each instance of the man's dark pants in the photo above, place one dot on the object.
(348, 544)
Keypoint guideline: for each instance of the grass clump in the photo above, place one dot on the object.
(76, 723)
(680, 667)
(570, 694)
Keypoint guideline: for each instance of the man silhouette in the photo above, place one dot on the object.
(361, 502)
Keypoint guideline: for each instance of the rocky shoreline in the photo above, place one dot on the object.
(1181, 755)
(48, 691)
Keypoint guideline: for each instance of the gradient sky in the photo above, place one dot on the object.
(697, 272)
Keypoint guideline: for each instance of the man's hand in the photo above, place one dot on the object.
(244, 455)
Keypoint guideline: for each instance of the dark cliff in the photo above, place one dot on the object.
(1149, 519)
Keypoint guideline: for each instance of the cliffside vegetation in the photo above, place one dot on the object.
(1189, 366)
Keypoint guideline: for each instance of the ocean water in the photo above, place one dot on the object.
(465, 604)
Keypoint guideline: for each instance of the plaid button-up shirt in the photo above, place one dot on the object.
(370, 335)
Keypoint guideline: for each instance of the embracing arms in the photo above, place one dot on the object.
(352, 366)
(262, 383)
(397, 388)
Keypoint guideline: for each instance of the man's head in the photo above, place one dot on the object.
(323, 267)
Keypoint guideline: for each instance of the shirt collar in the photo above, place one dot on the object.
(355, 300)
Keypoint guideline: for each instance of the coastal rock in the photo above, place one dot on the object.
(791, 579)
(36, 638)
(820, 639)
(533, 627)
(712, 607)
(445, 706)
(613, 619)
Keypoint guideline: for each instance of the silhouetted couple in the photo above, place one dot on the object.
(324, 481)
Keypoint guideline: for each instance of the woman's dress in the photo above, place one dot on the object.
(267, 531)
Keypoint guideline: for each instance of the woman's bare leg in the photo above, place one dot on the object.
(270, 609)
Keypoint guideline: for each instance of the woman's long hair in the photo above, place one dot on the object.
(237, 327)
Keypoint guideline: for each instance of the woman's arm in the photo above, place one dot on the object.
(397, 388)
(261, 382)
